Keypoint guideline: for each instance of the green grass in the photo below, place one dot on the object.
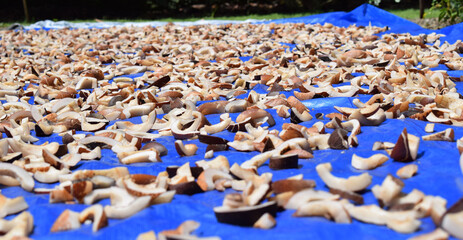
(236, 18)
(413, 13)
(404, 13)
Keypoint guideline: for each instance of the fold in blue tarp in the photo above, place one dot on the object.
(438, 174)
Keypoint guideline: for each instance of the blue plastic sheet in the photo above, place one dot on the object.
(438, 174)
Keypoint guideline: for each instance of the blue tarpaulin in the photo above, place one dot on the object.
(439, 172)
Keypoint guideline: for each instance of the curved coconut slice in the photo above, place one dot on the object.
(404, 222)
(351, 184)
(185, 150)
(121, 212)
(242, 173)
(244, 216)
(98, 141)
(67, 161)
(328, 209)
(114, 173)
(19, 227)
(156, 145)
(436, 234)
(292, 185)
(369, 163)
(382, 146)
(352, 126)
(9, 181)
(220, 162)
(11, 205)
(87, 83)
(26, 180)
(308, 195)
(446, 135)
(148, 155)
(88, 127)
(132, 70)
(212, 107)
(140, 188)
(208, 177)
(143, 127)
(51, 175)
(258, 160)
(432, 118)
(256, 114)
(184, 229)
(184, 134)
(238, 105)
(219, 127)
(319, 141)
(137, 110)
(407, 171)
(96, 214)
(373, 120)
(31, 149)
(98, 194)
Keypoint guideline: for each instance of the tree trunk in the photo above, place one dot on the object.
(421, 9)
(26, 11)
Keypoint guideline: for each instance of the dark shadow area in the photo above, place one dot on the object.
(156, 9)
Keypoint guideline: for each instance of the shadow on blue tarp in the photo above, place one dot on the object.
(438, 174)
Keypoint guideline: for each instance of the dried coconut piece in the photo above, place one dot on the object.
(67, 220)
(11, 205)
(352, 184)
(266, 221)
(429, 128)
(244, 216)
(326, 208)
(96, 214)
(460, 145)
(185, 150)
(452, 219)
(369, 163)
(388, 191)
(407, 171)
(147, 155)
(26, 180)
(436, 234)
(446, 135)
(19, 227)
(406, 147)
(404, 222)
(121, 212)
(151, 235)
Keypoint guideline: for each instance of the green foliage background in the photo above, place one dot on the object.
(450, 10)
(12, 10)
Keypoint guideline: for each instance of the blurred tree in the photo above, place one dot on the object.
(26, 11)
